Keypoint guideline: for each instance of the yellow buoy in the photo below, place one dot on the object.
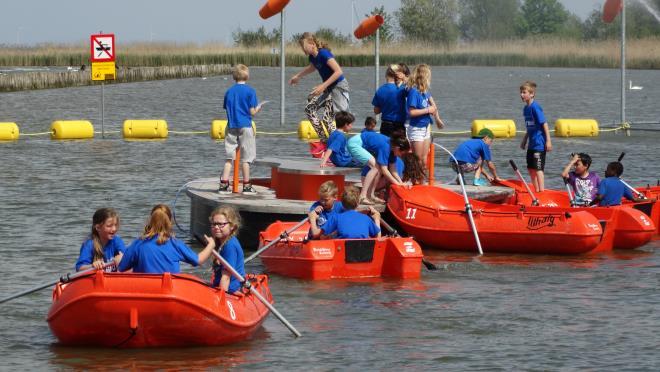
(145, 129)
(218, 128)
(306, 131)
(576, 128)
(501, 128)
(9, 132)
(71, 129)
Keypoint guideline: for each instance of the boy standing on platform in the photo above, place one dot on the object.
(240, 102)
(538, 135)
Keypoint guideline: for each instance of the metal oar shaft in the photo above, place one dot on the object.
(520, 177)
(283, 235)
(633, 189)
(270, 307)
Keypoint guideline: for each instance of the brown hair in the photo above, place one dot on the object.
(413, 170)
(343, 118)
(370, 122)
(240, 72)
(420, 78)
(308, 36)
(232, 216)
(350, 197)
(529, 86)
(328, 188)
(160, 223)
(99, 217)
(401, 142)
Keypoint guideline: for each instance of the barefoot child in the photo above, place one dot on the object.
(538, 135)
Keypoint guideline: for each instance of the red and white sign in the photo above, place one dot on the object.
(103, 48)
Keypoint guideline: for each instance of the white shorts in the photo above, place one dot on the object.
(416, 134)
(358, 153)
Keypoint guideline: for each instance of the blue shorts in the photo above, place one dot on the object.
(359, 154)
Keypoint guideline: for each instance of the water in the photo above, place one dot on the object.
(493, 312)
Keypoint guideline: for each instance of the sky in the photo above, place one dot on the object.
(200, 21)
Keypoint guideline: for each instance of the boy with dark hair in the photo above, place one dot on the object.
(612, 189)
(471, 155)
(351, 224)
(538, 134)
(583, 182)
(337, 151)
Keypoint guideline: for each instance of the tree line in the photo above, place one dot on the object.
(448, 22)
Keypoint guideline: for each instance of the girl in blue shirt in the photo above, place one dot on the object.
(157, 251)
(225, 223)
(103, 244)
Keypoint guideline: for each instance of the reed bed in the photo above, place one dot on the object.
(52, 79)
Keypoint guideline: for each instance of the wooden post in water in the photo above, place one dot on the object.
(237, 169)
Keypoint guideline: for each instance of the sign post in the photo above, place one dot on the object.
(102, 55)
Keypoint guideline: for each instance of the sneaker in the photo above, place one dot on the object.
(248, 189)
(480, 182)
(224, 188)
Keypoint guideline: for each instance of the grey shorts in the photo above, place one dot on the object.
(340, 97)
(243, 137)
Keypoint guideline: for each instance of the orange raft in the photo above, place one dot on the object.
(436, 217)
(338, 258)
(152, 310)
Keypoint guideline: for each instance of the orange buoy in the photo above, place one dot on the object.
(611, 9)
(272, 7)
(369, 26)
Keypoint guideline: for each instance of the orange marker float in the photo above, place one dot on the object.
(369, 26)
(272, 7)
(611, 9)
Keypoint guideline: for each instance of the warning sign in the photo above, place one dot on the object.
(103, 71)
(103, 48)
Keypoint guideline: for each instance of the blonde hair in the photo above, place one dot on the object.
(350, 197)
(310, 37)
(240, 72)
(529, 86)
(420, 78)
(392, 70)
(160, 223)
(100, 216)
(328, 188)
(232, 216)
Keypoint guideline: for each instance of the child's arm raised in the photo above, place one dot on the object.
(567, 168)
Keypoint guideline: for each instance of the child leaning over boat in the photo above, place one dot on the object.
(471, 155)
(326, 207)
(337, 150)
(584, 182)
(103, 243)
(611, 190)
(351, 224)
(157, 251)
(225, 223)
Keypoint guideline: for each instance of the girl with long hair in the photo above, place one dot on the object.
(103, 243)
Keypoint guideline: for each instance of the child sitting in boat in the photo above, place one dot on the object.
(583, 182)
(471, 155)
(612, 189)
(225, 223)
(103, 244)
(157, 251)
(325, 208)
(350, 224)
(337, 150)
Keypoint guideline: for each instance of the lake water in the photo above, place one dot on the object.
(492, 312)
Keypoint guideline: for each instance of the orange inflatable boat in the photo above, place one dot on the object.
(338, 258)
(436, 217)
(148, 310)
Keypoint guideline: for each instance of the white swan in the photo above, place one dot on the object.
(633, 87)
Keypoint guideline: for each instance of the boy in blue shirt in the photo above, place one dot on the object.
(337, 150)
(611, 189)
(538, 135)
(325, 208)
(241, 104)
(471, 155)
(351, 224)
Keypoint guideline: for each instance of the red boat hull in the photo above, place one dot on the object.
(436, 217)
(338, 258)
(148, 310)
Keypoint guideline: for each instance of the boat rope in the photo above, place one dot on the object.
(185, 187)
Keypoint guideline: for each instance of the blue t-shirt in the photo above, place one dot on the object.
(325, 215)
(239, 99)
(112, 248)
(400, 166)
(147, 256)
(534, 120)
(233, 254)
(391, 99)
(417, 100)
(321, 64)
(351, 225)
(340, 155)
(379, 146)
(471, 150)
(612, 190)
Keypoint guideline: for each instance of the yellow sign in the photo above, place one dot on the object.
(103, 71)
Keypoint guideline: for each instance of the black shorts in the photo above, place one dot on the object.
(536, 160)
(389, 127)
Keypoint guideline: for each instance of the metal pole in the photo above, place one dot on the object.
(282, 69)
(102, 108)
(623, 67)
(377, 58)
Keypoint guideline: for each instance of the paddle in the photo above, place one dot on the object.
(428, 264)
(520, 177)
(468, 206)
(63, 279)
(283, 235)
(570, 193)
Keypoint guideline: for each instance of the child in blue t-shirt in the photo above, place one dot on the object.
(471, 155)
(157, 251)
(390, 101)
(225, 223)
(103, 243)
(538, 134)
(337, 150)
(385, 151)
(324, 209)
(331, 94)
(611, 190)
(241, 105)
(351, 224)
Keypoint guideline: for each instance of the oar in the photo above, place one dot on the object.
(63, 279)
(520, 177)
(468, 206)
(283, 235)
(392, 231)
(621, 156)
(570, 193)
(256, 293)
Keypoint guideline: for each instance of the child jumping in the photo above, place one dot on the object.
(241, 104)
(538, 135)
(584, 183)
